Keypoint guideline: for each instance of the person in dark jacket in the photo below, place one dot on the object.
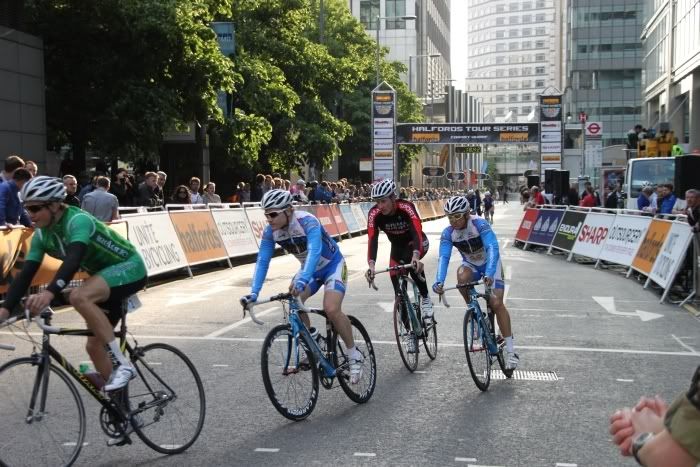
(11, 210)
(256, 193)
(122, 188)
(147, 195)
(71, 185)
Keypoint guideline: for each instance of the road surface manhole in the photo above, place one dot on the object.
(527, 375)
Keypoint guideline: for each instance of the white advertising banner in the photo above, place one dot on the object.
(592, 235)
(624, 239)
(155, 238)
(359, 215)
(672, 254)
(235, 231)
(257, 221)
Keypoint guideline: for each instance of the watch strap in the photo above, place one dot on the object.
(638, 443)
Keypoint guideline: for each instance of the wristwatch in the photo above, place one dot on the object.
(638, 444)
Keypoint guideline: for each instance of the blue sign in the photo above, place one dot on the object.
(225, 36)
(545, 227)
(349, 217)
(366, 206)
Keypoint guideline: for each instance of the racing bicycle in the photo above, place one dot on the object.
(481, 345)
(408, 323)
(293, 362)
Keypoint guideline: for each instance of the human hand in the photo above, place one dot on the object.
(369, 275)
(646, 420)
(39, 302)
(415, 262)
(298, 287)
(622, 430)
(4, 314)
(655, 404)
(250, 298)
(488, 281)
(438, 288)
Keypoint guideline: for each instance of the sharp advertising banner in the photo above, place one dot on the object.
(593, 233)
(624, 239)
(545, 227)
(550, 133)
(451, 133)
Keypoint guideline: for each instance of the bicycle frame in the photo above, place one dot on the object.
(474, 307)
(404, 280)
(298, 327)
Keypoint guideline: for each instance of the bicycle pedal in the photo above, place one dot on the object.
(121, 441)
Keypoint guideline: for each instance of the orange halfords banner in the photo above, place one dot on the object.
(199, 236)
(651, 246)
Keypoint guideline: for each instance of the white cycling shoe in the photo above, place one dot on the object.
(426, 308)
(356, 361)
(120, 377)
(512, 360)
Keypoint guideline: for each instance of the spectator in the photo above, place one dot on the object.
(195, 182)
(11, 210)
(644, 200)
(147, 191)
(257, 191)
(572, 197)
(298, 193)
(32, 167)
(536, 198)
(474, 202)
(90, 187)
(100, 203)
(614, 198)
(122, 188)
(489, 207)
(658, 435)
(633, 136)
(210, 195)
(12, 163)
(268, 183)
(692, 200)
(596, 195)
(71, 185)
(181, 195)
(160, 191)
(668, 199)
(588, 200)
(322, 193)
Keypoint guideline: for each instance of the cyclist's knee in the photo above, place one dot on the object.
(78, 299)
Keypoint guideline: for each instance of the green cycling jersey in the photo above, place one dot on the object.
(105, 247)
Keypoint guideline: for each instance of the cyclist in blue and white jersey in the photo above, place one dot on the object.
(301, 234)
(477, 243)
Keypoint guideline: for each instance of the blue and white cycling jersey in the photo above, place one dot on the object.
(476, 243)
(306, 239)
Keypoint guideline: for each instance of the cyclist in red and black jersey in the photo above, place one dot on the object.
(400, 222)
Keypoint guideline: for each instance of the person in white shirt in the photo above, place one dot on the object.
(196, 198)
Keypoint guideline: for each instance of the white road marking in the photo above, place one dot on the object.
(565, 464)
(608, 304)
(509, 272)
(267, 450)
(387, 307)
(420, 372)
(533, 337)
(572, 316)
(515, 258)
(479, 465)
(505, 244)
(181, 298)
(171, 446)
(683, 344)
(247, 320)
(465, 459)
(73, 443)
(505, 293)
(219, 365)
(365, 454)
(623, 380)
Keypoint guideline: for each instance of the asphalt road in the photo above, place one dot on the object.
(435, 416)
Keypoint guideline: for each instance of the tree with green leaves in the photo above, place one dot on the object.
(119, 73)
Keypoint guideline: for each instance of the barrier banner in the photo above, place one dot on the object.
(235, 231)
(360, 216)
(257, 221)
(624, 239)
(568, 230)
(325, 217)
(672, 254)
(593, 233)
(526, 225)
(420, 209)
(154, 236)
(545, 227)
(303, 207)
(11, 243)
(120, 227)
(366, 206)
(432, 212)
(651, 246)
(198, 236)
(349, 217)
(438, 208)
(338, 219)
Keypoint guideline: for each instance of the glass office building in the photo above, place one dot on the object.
(604, 64)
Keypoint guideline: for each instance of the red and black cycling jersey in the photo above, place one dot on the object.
(403, 227)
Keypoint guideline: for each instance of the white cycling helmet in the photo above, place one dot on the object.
(383, 189)
(276, 199)
(456, 205)
(43, 188)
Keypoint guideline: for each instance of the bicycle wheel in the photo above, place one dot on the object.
(290, 373)
(166, 399)
(430, 340)
(476, 350)
(502, 360)
(403, 330)
(36, 436)
(362, 391)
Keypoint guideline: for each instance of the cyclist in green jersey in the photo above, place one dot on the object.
(81, 241)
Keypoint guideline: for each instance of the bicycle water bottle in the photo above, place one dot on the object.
(93, 376)
(320, 340)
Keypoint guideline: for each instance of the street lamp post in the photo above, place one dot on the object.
(410, 72)
(378, 26)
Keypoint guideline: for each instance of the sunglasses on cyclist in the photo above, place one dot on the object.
(35, 208)
(273, 214)
(456, 217)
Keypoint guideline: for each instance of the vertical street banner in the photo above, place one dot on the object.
(671, 255)
(568, 230)
(545, 227)
(651, 246)
(383, 132)
(594, 145)
(550, 133)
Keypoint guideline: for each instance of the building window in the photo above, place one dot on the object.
(527, 5)
(500, 87)
(527, 32)
(500, 47)
(500, 8)
(500, 111)
(540, 57)
(513, 46)
(526, 84)
(513, 33)
(540, 4)
(540, 31)
(500, 34)
(540, 18)
(500, 60)
(369, 10)
(525, 110)
(539, 44)
(527, 18)
(513, 20)
(526, 97)
(394, 9)
(500, 21)
(539, 83)
(527, 71)
(539, 70)
(513, 98)
(500, 98)
(512, 85)
(527, 45)
(514, 6)
(512, 72)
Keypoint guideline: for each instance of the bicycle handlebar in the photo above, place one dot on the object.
(248, 306)
(7, 347)
(390, 269)
(443, 296)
